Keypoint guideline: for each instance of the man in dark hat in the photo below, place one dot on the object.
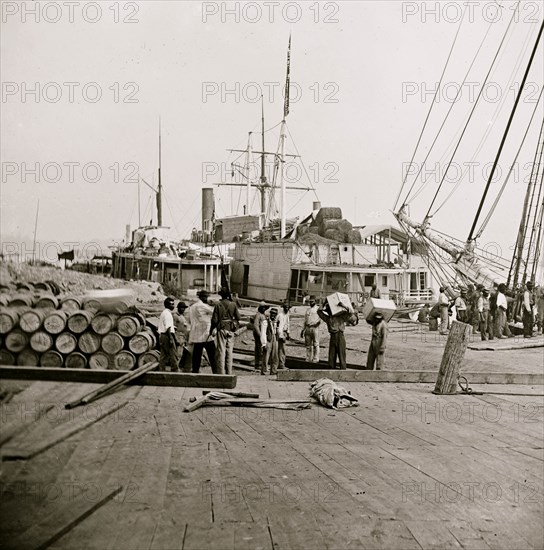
(200, 318)
(528, 310)
(486, 329)
(337, 325)
(269, 342)
(167, 340)
(461, 306)
(257, 324)
(225, 321)
(376, 351)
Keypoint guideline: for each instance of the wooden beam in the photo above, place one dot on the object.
(424, 377)
(181, 380)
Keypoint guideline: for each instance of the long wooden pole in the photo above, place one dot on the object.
(129, 376)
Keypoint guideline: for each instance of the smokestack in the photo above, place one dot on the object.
(208, 207)
(127, 234)
(316, 205)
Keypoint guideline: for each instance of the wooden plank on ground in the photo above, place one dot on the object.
(29, 447)
(61, 521)
(226, 381)
(411, 377)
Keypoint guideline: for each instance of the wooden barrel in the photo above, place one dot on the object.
(103, 323)
(91, 305)
(16, 341)
(52, 359)
(99, 361)
(112, 343)
(124, 360)
(42, 285)
(129, 325)
(55, 321)
(18, 300)
(28, 358)
(6, 357)
(141, 342)
(31, 320)
(47, 301)
(79, 321)
(65, 343)
(149, 357)
(70, 303)
(41, 342)
(89, 342)
(25, 287)
(75, 360)
(9, 318)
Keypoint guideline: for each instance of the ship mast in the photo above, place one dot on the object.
(159, 189)
(262, 188)
(282, 143)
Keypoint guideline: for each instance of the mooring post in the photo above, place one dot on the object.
(456, 345)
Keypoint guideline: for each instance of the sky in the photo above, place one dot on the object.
(363, 75)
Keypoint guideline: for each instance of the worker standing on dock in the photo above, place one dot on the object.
(461, 306)
(269, 342)
(443, 304)
(257, 325)
(486, 329)
(310, 332)
(182, 334)
(376, 351)
(527, 308)
(225, 321)
(283, 333)
(501, 313)
(337, 325)
(200, 319)
(167, 337)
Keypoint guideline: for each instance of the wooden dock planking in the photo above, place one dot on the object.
(29, 487)
(256, 448)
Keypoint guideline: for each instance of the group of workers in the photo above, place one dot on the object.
(488, 313)
(184, 335)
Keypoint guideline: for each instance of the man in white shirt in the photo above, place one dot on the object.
(200, 319)
(443, 304)
(501, 321)
(167, 337)
(283, 333)
(461, 306)
(310, 332)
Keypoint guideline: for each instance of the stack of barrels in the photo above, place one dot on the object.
(50, 331)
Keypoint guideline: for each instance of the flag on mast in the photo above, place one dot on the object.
(287, 81)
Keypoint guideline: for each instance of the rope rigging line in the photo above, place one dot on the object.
(489, 127)
(473, 109)
(499, 195)
(518, 97)
(302, 163)
(453, 103)
(430, 109)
